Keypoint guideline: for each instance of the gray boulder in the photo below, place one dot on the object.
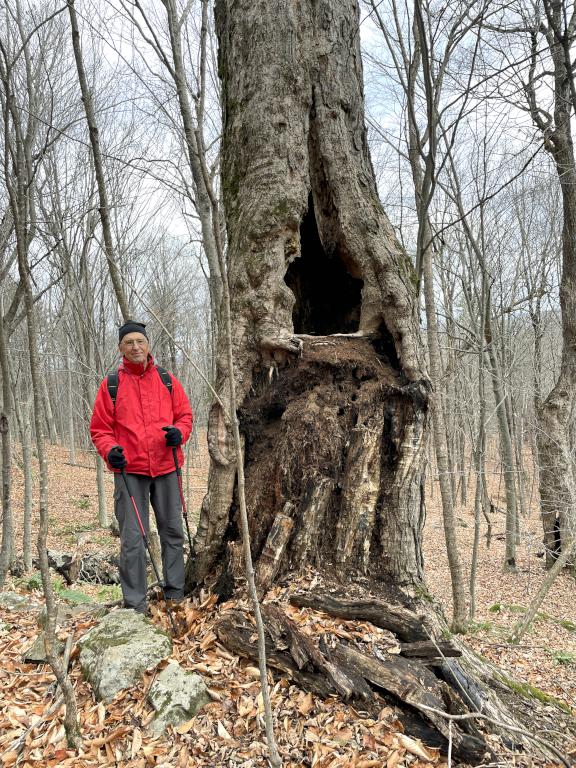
(65, 612)
(36, 653)
(115, 653)
(13, 601)
(176, 695)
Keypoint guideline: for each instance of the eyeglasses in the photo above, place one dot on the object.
(135, 342)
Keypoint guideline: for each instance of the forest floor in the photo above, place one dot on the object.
(229, 731)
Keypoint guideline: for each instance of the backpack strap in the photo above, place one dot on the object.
(166, 378)
(112, 381)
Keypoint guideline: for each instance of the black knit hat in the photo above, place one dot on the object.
(131, 327)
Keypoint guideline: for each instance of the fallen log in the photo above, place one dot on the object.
(407, 625)
(366, 682)
(305, 654)
(429, 649)
(91, 567)
(412, 683)
(238, 634)
(481, 687)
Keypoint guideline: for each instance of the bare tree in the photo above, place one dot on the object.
(20, 166)
(7, 549)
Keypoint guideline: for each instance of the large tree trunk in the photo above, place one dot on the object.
(332, 395)
(556, 414)
(311, 252)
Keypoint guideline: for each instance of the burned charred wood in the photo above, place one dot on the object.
(356, 677)
(336, 436)
(237, 633)
(408, 626)
(413, 684)
(285, 633)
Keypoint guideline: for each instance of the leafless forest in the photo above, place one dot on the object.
(124, 194)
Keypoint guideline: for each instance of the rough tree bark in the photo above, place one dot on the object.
(332, 393)
(6, 550)
(311, 252)
(556, 413)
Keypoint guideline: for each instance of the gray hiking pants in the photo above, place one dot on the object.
(164, 495)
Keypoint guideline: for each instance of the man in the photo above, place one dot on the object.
(135, 427)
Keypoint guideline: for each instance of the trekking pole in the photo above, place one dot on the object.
(184, 510)
(147, 545)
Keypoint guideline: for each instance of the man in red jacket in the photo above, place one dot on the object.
(137, 431)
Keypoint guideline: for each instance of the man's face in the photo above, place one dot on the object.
(135, 347)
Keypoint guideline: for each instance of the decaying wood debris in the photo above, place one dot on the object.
(435, 687)
(366, 680)
(90, 567)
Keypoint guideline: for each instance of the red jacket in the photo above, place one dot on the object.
(143, 406)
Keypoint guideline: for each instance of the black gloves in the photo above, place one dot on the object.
(173, 436)
(116, 457)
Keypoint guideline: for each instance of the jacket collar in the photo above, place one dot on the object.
(136, 368)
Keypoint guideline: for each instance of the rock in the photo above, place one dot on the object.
(13, 602)
(115, 653)
(64, 611)
(58, 560)
(176, 695)
(36, 653)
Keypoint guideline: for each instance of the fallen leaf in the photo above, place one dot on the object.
(222, 732)
(136, 743)
(185, 727)
(252, 672)
(306, 704)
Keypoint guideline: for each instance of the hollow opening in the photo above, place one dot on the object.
(328, 297)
